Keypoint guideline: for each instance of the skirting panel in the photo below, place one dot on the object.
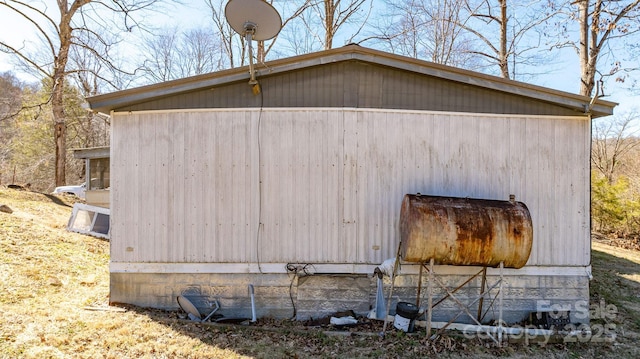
(316, 296)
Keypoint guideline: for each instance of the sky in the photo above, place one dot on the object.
(564, 75)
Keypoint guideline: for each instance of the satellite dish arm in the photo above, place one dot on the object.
(249, 30)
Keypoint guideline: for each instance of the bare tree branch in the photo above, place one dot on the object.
(65, 33)
(612, 140)
(602, 27)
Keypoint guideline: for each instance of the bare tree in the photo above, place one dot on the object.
(474, 34)
(60, 30)
(446, 46)
(334, 15)
(10, 96)
(506, 32)
(403, 29)
(171, 54)
(27, 151)
(161, 49)
(425, 29)
(199, 49)
(603, 28)
(232, 44)
(10, 103)
(290, 12)
(92, 76)
(600, 23)
(296, 40)
(630, 166)
(612, 139)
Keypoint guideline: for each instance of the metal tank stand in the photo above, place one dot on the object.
(464, 308)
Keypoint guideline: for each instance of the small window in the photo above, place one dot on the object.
(99, 172)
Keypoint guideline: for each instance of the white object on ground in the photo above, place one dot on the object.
(343, 320)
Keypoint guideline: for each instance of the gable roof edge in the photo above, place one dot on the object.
(107, 102)
(598, 108)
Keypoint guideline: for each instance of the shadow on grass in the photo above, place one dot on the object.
(269, 338)
(611, 284)
(53, 198)
(57, 200)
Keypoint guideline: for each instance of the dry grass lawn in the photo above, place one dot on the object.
(54, 295)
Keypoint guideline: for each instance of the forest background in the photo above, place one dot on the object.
(54, 54)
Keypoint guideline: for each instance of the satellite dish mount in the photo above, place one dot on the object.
(249, 31)
(256, 20)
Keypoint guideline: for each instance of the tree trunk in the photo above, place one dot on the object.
(60, 126)
(57, 89)
(329, 9)
(587, 67)
(504, 55)
(61, 149)
(260, 57)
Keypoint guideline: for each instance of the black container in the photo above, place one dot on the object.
(550, 320)
(407, 310)
(406, 313)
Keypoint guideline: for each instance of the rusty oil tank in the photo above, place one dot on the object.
(465, 231)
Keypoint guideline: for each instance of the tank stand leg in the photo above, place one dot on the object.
(419, 294)
(430, 296)
(500, 304)
(482, 293)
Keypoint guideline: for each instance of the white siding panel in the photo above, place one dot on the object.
(177, 170)
(326, 184)
(302, 193)
(516, 164)
(185, 186)
(534, 197)
(125, 145)
(156, 177)
(480, 157)
(582, 190)
(381, 174)
(350, 186)
(547, 180)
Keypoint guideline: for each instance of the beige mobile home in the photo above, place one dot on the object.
(297, 190)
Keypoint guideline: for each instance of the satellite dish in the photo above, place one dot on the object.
(256, 17)
(188, 307)
(255, 20)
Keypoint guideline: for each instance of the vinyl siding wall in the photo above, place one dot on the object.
(324, 185)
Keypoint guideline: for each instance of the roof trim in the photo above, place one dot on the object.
(91, 152)
(107, 102)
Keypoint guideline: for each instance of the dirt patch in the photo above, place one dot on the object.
(54, 289)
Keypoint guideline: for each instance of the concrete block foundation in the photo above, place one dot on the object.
(319, 295)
